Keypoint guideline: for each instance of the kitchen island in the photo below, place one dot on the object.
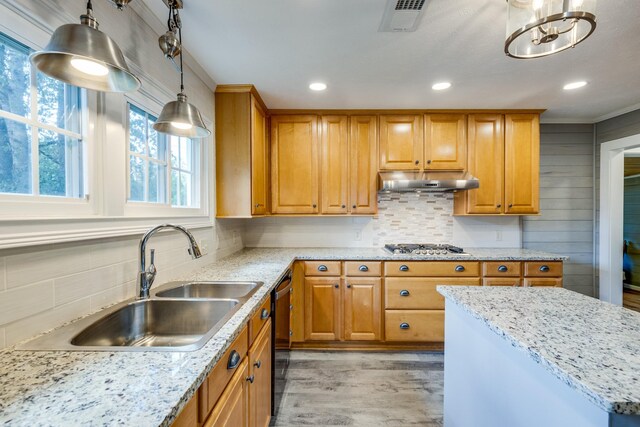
(539, 357)
(62, 388)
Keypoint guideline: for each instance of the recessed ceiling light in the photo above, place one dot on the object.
(441, 86)
(574, 85)
(317, 86)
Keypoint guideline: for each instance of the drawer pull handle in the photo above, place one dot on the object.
(404, 325)
(404, 267)
(234, 360)
(363, 268)
(404, 293)
(264, 314)
(459, 268)
(544, 268)
(322, 267)
(503, 269)
(258, 364)
(251, 378)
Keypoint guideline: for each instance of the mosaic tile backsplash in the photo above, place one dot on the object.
(413, 218)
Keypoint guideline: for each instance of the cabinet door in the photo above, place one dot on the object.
(232, 408)
(445, 141)
(335, 164)
(362, 309)
(259, 159)
(522, 163)
(294, 162)
(260, 370)
(363, 155)
(322, 308)
(401, 142)
(486, 162)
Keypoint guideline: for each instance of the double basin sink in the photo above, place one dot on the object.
(180, 316)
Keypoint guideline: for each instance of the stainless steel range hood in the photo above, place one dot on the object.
(407, 181)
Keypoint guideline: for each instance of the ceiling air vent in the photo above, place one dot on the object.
(402, 15)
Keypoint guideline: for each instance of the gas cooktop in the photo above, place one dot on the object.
(425, 249)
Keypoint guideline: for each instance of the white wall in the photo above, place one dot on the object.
(406, 218)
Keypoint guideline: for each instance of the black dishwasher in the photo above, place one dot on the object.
(280, 339)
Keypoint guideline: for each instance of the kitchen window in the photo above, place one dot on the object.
(163, 169)
(42, 149)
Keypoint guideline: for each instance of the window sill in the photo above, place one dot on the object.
(18, 233)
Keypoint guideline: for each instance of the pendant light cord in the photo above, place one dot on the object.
(181, 55)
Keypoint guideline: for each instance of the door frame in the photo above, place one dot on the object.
(612, 216)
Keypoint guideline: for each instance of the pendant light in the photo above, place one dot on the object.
(81, 55)
(537, 28)
(178, 118)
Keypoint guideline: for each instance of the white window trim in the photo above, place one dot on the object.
(108, 215)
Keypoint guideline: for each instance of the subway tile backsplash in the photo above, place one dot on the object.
(413, 218)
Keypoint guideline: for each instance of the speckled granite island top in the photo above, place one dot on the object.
(592, 346)
(39, 388)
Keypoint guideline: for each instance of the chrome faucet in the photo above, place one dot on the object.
(147, 276)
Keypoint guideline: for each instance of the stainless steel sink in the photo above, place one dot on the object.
(156, 323)
(209, 290)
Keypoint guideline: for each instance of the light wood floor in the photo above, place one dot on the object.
(363, 389)
(631, 299)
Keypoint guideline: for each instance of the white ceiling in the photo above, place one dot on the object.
(281, 46)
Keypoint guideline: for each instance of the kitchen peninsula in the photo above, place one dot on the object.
(541, 357)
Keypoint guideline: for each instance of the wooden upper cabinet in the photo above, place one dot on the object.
(335, 164)
(294, 164)
(522, 163)
(445, 141)
(259, 159)
(401, 142)
(363, 170)
(242, 152)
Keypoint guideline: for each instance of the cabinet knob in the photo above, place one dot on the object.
(404, 267)
(336, 286)
(344, 206)
(498, 205)
(428, 162)
(459, 268)
(404, 293)
(258, 205)
(314, 205)
(234, 360)
(503, 269)
(510, 205)
(264, 314)
(544, 268)
(322, 267)
(417, 162)
(363, 268)
(353, 207)
(258, 364)
(348, 286)
(404, 325)
(251, 378)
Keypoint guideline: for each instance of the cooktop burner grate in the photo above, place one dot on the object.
(424, 249)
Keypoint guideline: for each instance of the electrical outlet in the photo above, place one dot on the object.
(498, 236)
(235, 236)
(358, 236)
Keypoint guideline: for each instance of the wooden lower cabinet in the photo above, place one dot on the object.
(555, 282)
(322, 308)
(362, 309)
(260, 378)
(502, 281)
(232, 408)
(414, 325)
(522, 274)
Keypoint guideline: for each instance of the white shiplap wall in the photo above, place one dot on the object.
(566, 222)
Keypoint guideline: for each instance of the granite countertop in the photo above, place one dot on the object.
(55, 388)
(591, 345)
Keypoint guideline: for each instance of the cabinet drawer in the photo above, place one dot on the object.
(322, 268)
(543, 269)
(414, 325)
(259, 319)
(501, 268)
(432, 268)
(502, 281)
(419, 293)
(543, 281)
(221, 374)
(363, 268)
